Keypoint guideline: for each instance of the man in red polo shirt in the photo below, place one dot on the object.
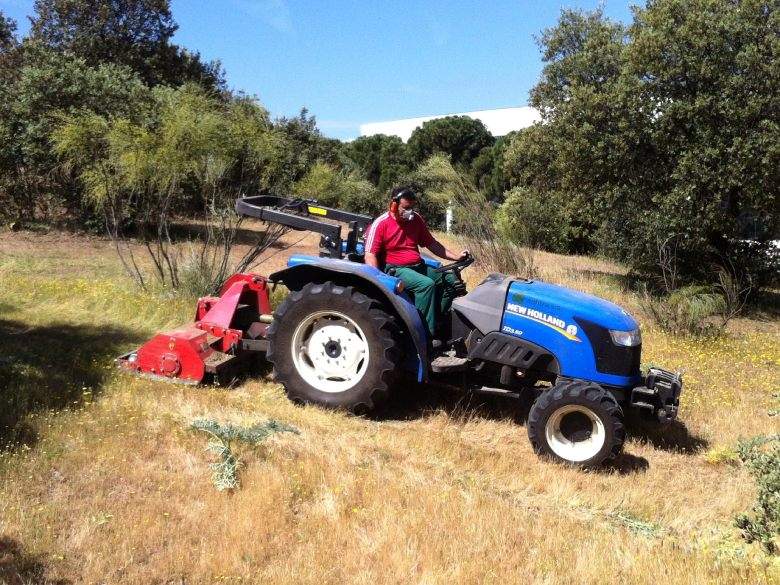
(394, 238)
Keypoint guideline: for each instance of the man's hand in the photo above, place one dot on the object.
(438, 248)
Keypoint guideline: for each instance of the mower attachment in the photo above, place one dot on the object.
(227, 329)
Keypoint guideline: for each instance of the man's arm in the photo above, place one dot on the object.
(371, 260)
(373, 243)
(442, 252)
(428, 241)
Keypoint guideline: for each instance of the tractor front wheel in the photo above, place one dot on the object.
(335, 347)
(578, 423)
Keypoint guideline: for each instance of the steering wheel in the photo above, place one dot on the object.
(456, 266)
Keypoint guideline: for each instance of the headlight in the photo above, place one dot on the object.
(626, 338)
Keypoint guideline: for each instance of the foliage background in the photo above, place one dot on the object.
(659, 144)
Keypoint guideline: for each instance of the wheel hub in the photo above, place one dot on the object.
(575, 432)
(333, 348)
(330, 351)
(576, 427)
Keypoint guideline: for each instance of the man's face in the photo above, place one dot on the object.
(405, 204)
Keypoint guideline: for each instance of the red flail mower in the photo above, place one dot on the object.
(228, 330)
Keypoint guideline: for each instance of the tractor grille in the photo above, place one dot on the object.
(611, 358)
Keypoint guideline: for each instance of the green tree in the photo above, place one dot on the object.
(705, 76)
(488, 169)
(381, 159)
(136, 33)
(47, 86)
(7, 33)
(303, 146)
(460, 137)
(665, 131)
(574, 155)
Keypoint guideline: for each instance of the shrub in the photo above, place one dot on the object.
(194, 154)
(688, 310)
(340, 189)
(531, 218)
(761, 455)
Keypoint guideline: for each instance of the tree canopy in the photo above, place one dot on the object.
(460, 137)
(136, 33)
(665, 131)
(7, 33)
(381, 159)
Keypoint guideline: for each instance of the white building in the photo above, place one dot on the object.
(499, 122)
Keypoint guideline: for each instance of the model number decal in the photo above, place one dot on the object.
(557, 324)
(511, 330)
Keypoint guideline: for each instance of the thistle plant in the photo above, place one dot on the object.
(223, 437)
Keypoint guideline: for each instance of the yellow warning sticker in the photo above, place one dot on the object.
(318, 210)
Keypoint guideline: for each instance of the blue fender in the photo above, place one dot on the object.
(432, 262)
(302, 269)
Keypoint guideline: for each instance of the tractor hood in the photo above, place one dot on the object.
(557, 301)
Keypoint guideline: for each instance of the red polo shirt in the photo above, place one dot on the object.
(398, 240)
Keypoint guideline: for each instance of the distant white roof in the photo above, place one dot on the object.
(499, 122)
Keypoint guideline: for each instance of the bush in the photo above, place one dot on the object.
(692, 310)
(334, 188)
(530, 218)
(761, 455)
(195, 154)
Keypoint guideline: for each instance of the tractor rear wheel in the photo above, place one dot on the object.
(578, 423)
(334, 346)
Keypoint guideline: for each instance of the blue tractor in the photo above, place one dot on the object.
(347, 334)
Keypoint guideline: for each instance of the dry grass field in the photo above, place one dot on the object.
(109, 484)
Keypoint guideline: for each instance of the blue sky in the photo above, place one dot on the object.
(351, 61)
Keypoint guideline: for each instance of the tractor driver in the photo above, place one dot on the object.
(393, 239)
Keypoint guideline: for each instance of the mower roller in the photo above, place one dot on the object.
(347, 334)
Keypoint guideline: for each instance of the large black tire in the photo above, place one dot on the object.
(569, 421)
(377, 328)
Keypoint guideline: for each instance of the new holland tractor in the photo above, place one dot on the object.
(348, 333)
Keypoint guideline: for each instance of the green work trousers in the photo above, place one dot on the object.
(432, 291)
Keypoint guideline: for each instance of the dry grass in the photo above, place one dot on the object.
(114, 488)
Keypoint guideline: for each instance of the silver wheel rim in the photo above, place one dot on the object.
(330, 351)
(575, 433)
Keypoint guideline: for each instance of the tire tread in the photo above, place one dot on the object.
(385, 332)
(575, 390)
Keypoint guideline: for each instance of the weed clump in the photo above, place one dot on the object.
(689, 309)
(223, 437)
(761, 455)
(636, 525)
